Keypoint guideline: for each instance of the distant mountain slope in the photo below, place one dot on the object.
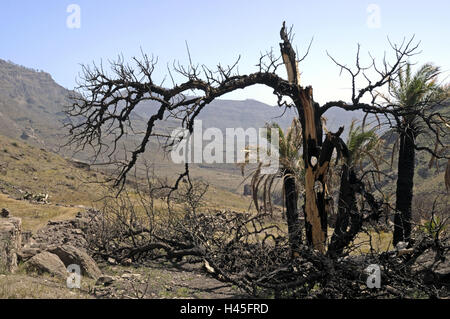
(224, 114)
(31, 105)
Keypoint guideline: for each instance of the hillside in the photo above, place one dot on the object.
(32, 104)
(30, 170)
(26, 169)
(224, 114)
(429, 184)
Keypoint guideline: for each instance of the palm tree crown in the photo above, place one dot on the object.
(415, 90)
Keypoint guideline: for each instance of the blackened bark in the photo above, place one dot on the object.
(405, 184)
(291, 198)
(347, 213)
(317, 206)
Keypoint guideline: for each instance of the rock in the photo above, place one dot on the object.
(26, 253)
(126, 276)
(59, 233)
(41, 246)
(112, 261)
(434, 268)
(4, 213)
(42, 198)
(80, 223)
(26, 237)
(47, 262)
(104, 280)
(130, 276)
(77, 231)
(71, 255)
(74, 232)
(10, 242)
(126, 262)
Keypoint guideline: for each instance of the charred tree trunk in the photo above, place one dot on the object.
(405, 184)
(315, 187)
(316, 156)
(347, 213)
(315, 208)
(291, 198)
(350, 219)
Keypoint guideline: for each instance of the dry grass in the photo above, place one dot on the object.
(25, 168)
(34, 215)
(380, 242)
(22, 286)
(34, 170)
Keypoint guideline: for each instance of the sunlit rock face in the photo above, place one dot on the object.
(10, 241)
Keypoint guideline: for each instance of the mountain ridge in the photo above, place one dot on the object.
(32, 105)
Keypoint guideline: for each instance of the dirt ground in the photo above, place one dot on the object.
(164, 280)
(151, 281)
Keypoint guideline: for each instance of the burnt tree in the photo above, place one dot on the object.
(105, 104)
(405, 185)
(292, 215)
(419, 93)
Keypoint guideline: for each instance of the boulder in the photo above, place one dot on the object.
(60, 233)
(111, 261)
(10, 242)
(74, 232)
(71, 255)
(433, 267)
(4, 213)
(47, 262)
(26, 238)
(26, 253)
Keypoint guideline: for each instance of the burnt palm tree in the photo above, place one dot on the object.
(412, 92)
(290, 172)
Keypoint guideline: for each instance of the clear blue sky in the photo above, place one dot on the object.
(34, 34)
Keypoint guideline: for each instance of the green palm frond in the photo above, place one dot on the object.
(290, 160)
(360, 142)
(411, 90)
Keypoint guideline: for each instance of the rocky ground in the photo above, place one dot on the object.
(162, 280)
(37, 268)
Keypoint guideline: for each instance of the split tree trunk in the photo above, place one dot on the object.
(315, 189)
(315, 156)
(291, 198)
(348, 215)
(405, 184)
